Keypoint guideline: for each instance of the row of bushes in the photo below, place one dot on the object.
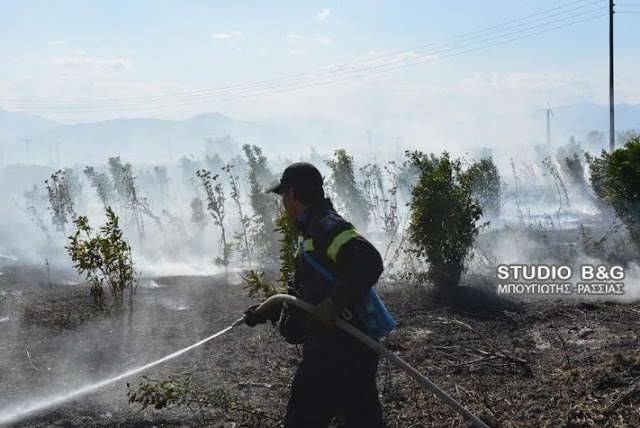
(446, 204)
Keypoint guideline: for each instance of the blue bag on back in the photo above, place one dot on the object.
(374, 317)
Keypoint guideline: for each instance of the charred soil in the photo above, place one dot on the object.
(535, 363)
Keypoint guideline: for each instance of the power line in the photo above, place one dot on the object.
(376, 72)
(184, 95)
(319, 81)
(326, 77)
(365, 66)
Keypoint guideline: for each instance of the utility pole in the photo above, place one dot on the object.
(370, 148)
(612, 127)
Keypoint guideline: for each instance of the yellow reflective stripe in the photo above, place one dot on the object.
(307, 245)
(339, 241)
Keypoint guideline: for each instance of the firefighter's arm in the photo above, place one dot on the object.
(358, 267)
(294, 322)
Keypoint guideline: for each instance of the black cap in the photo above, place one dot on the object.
(302, 176)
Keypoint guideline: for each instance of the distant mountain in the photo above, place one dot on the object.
(151, 141)
(142, 140)
(18, 126)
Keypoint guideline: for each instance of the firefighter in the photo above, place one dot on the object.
(336, 268)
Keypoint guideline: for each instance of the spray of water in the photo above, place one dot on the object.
(19, 412)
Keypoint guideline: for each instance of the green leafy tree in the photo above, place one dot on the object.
(105, 260)
(74, 186)
(288, 246)
(571, 157)
(346, 189)
(616, 179)
(60, 200)
(486, 185)
(444, 216)
(256, 285)
(117, 170)
(241, 237)
(216, 199)
(575, 169)
(128, 194)
(101, 183)
(266, 207)
(571, 148)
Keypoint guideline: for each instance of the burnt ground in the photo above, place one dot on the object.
(536, 363)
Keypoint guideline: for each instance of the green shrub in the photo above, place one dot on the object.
(575, 170)
(571, 157)
(255, 284)
(615, 179)
(598, 173)
(186, 391)
(265, 206)
(101, 182)
(242, 237)
(486, 185)
(216, 199)
(60, 200)
(105, 259)
(444, 216)
(622, 186)
(348, 193)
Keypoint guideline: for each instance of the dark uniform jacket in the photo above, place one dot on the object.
(335, 244)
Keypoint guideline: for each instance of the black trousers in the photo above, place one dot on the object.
(329, 384)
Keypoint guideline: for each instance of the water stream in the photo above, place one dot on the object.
(20, 411)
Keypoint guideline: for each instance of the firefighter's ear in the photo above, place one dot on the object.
(294, 194)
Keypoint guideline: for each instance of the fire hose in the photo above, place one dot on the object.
(16, 413)
(384, 352)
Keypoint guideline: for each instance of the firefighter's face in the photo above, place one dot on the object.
(291, 204)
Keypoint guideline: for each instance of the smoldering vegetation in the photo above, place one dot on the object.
(190, 231)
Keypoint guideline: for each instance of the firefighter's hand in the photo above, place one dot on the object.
(253, 318)
(326, 312)
(292, 289)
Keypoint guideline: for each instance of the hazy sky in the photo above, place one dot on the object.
(56, 53)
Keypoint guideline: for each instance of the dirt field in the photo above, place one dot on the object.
(540, 363)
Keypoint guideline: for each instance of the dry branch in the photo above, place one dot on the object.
(631, 392)
(498, 352)
(30, 362)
